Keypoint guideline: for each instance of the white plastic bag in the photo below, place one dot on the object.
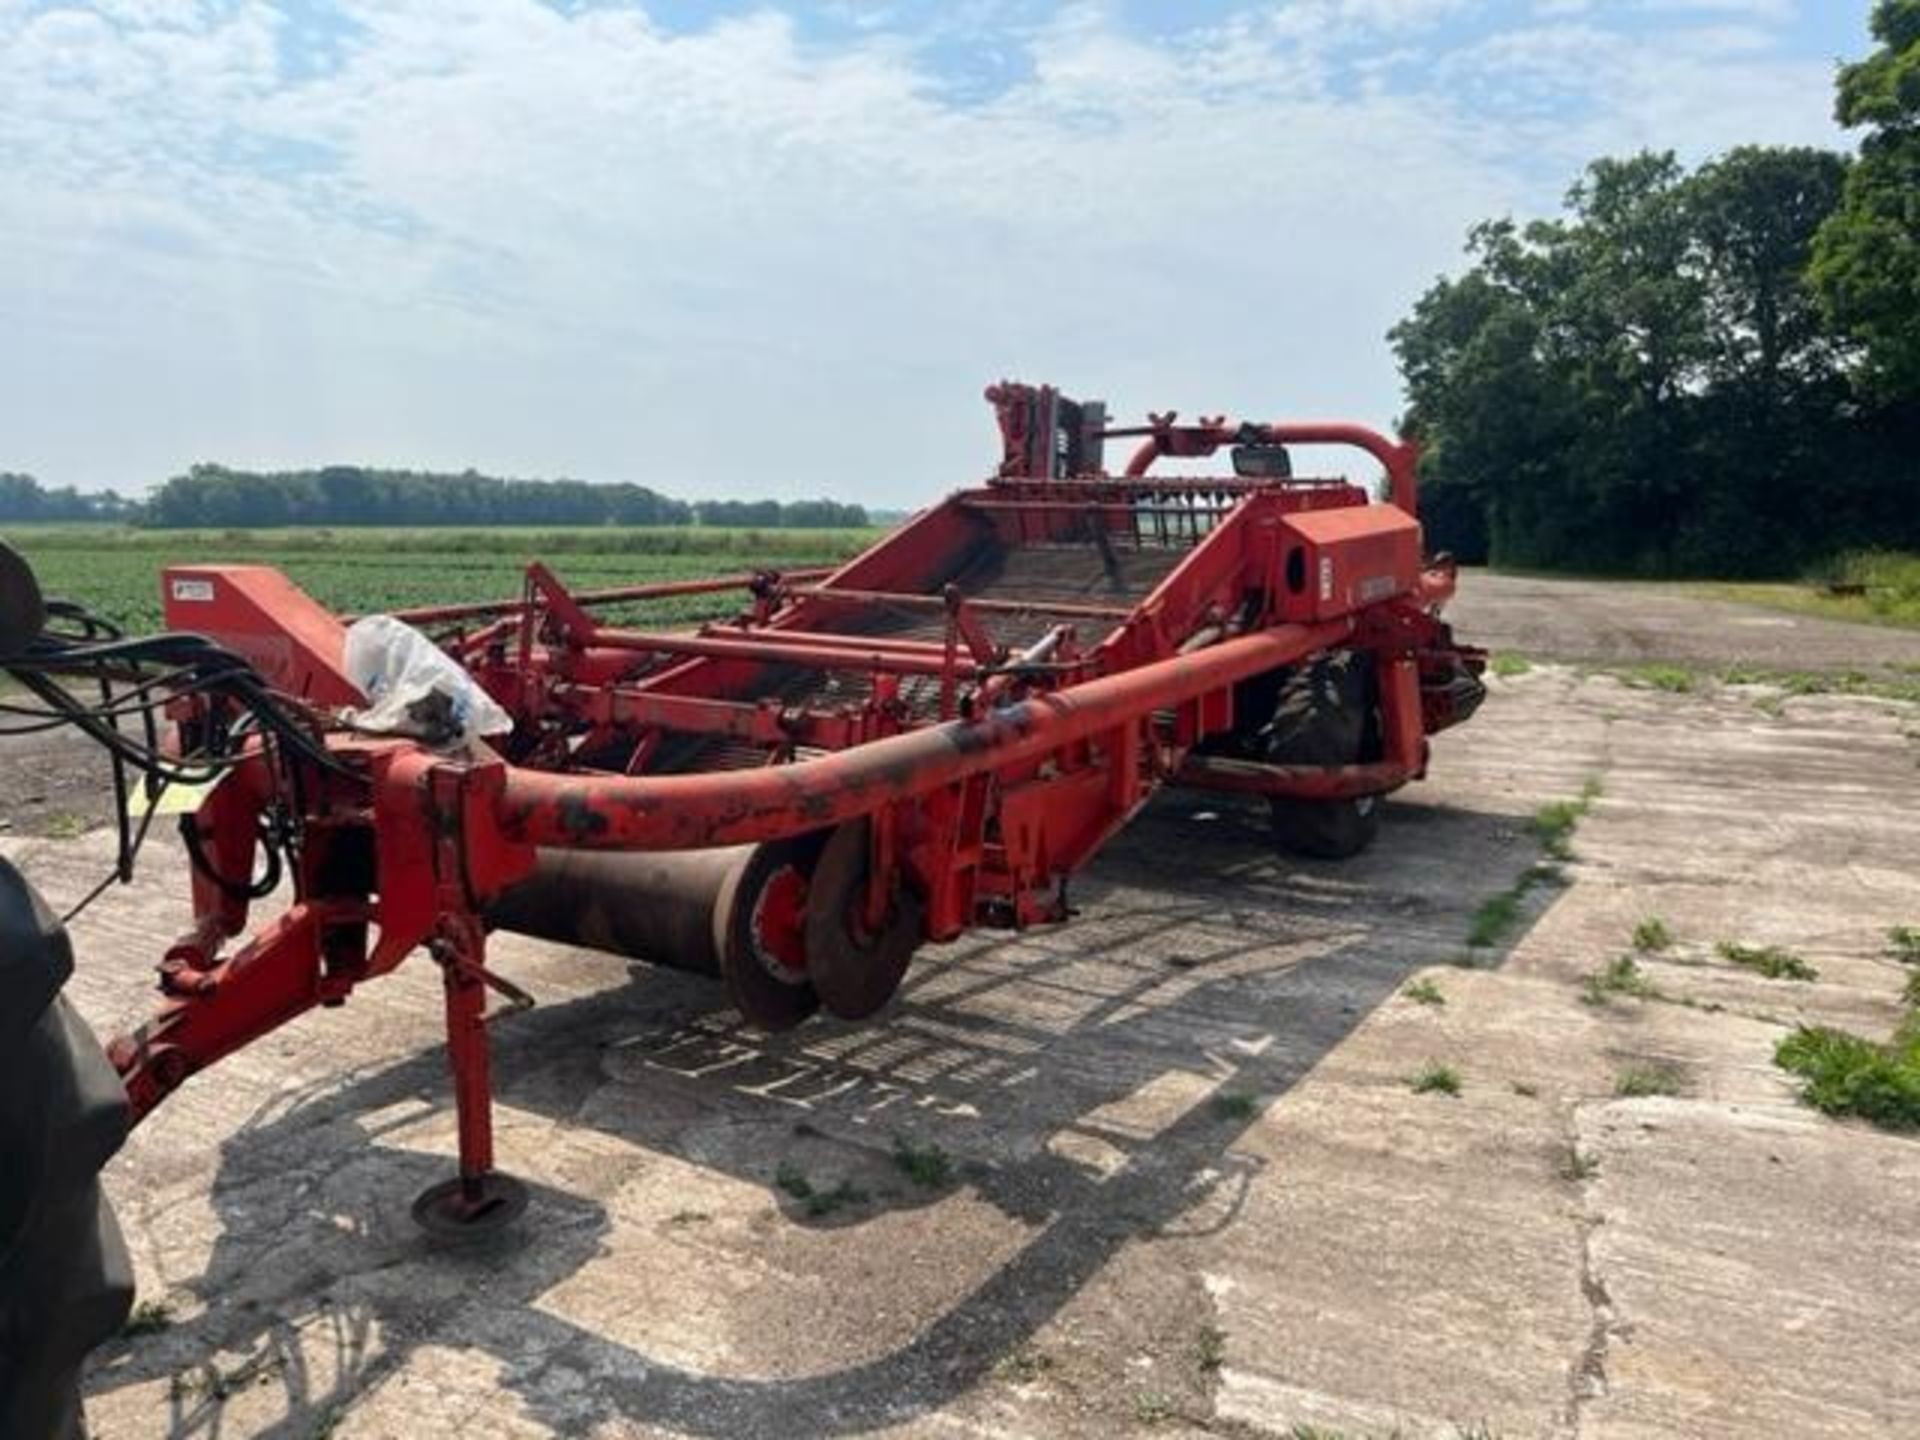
(415, 688)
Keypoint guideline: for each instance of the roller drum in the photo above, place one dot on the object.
(656, 906)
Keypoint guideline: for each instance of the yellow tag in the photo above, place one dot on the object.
(174, 799)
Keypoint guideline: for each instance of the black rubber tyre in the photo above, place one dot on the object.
(65, 1280)
(1327, 714)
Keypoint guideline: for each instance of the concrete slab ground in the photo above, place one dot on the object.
(1170, 1175)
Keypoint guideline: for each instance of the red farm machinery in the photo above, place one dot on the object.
(930, 737)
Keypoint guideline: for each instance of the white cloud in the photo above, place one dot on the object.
(742, 260)
(1766, 11)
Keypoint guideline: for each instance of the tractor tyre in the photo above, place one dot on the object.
(1327, 714)
(65, 1279)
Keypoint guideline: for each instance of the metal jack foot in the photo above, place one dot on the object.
(479, 1201)
(470, 1207)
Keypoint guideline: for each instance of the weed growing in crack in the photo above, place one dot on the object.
(1648, 1077)
(1848, 1075)
(1022, 1366)
(1210, 1348)
(793, 1180)
(825, 1202)
(1651, 936)
(1903, 944)
(1230, 1106)
(928, 1166)
(1671, 679)
(1424, 992)
(1553, 825)
(1152, 1408)
(1433, 1078)
(149, 1317)
(1494, 918)
(1771, 961)
(1623, 977)
(1508, 666)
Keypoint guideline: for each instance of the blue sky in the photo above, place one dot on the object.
(742, 248)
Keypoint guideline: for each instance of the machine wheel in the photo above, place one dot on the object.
(854, 969)
(66, 1282)
(1326, 715)
(760, 934)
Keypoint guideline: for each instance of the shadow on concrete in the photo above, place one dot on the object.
(1196, 951)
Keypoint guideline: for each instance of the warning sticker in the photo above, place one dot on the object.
(192, 590)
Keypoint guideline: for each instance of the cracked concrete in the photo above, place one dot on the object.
(1124, 1245)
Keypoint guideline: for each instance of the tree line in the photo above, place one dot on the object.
(24, 498)
(219, 497)
(1713, 371)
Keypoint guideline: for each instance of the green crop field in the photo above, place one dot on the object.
(116, 570)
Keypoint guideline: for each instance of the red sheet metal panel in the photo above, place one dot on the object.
(1348, 560)
(295, 642)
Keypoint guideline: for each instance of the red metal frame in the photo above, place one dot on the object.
(987, 731)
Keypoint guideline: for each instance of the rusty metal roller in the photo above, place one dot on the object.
(738, 912)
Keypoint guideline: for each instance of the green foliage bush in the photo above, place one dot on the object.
(1713, 372)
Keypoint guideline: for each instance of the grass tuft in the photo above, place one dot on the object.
(1847, 1075)
(1672, 679)
(825, 1202)
(928, 1166)
(149, 1317)
(1436, 1079)
(1623, 977)
(1210, 1348)
(1651, 936)
(1903, 943)
(1232, 1106)
(1651, 1077)
(1509, 666)
(1553, 825)
(1771, 961)
(1423, 992)
(1022, 1366)
(1555, 822)
(1152, 1408)
(813, 1200)
(793, 1180)
(1494, 918)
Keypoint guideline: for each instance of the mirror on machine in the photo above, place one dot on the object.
(1262, 462)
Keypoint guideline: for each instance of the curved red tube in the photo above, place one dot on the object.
(1398, 457)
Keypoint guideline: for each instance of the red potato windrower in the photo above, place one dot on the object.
(865, 761)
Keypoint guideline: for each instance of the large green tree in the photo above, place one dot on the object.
(1867, 262)
(1647, 383)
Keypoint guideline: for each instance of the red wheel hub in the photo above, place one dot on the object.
(779, 924)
